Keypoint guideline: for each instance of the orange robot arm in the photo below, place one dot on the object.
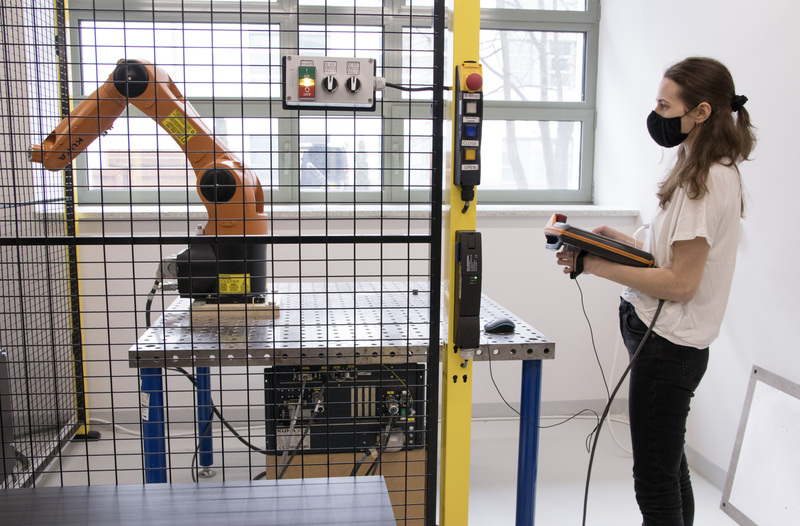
(232, 194)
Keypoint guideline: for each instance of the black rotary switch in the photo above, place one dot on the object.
(330, 84)
(353, 84)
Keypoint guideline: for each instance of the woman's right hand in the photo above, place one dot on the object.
(615, 234)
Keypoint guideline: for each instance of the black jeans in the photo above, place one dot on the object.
(662, 383)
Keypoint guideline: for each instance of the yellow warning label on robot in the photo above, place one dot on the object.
(177, 126)
(234, 283)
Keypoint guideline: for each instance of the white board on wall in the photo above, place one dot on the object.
(763, 483)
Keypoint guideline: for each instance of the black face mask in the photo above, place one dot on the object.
(665, 131)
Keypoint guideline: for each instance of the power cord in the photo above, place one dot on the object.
(408, 88)
(193, 380)
(361, 460)
(149, 303)
(219, 415)
(382, 445)
(306, 430)
(318, 408)
(533, 424)
(293, 422)
(385, 442)
(591, 335)
(608, 406)
(286, 460)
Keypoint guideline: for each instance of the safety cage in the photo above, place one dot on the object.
(202, 282)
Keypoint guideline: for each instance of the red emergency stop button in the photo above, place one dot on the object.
(474, 82)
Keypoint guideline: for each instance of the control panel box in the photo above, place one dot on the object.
(340, 409)
(468, 125)
(328, 83)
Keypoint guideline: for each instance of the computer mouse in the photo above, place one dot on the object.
(500, 326)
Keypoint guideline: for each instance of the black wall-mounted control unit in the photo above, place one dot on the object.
(468, 289)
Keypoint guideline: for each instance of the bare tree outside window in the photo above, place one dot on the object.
(534, 66)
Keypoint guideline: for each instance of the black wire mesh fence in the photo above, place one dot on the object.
(201, 283)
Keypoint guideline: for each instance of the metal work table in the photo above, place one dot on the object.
(342, 501)
(322, 324)
(333, 323)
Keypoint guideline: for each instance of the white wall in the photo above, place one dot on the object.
(758, 41)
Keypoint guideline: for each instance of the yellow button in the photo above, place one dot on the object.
(469, 155)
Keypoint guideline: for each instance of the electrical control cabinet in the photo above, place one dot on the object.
(328, 83)
(345, 408)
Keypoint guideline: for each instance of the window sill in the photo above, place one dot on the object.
(91, 213)
(516, 210)
(198, 212)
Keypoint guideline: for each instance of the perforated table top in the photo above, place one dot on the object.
(322, 324)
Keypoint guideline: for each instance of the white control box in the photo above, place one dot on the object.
(328, 83)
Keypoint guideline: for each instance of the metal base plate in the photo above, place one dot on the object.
(323, 324)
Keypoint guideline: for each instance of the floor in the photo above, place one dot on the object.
(563, 462)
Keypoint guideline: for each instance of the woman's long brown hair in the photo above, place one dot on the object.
(722, 138)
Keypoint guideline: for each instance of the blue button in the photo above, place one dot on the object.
(472, 131)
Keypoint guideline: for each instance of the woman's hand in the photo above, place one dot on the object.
(567, 257)
(616, 235)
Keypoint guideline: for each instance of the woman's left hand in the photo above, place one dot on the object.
(565, 257)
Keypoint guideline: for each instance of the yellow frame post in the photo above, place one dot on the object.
(79, 371)
(456, 374)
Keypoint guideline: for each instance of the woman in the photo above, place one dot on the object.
(694, 237)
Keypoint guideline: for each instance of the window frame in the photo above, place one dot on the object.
(396, 19)
(585, 112)
(393, 20)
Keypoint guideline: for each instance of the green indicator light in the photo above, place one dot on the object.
(306, 72)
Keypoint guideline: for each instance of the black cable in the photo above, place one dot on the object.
(149, 303)
(532, 424)
(197, 449)
(359, 462)
(608, 406)
(295, 416)
(192, 379)
(467, 195)
(407, 88)
(306, 430)
(219, 414)
(591, 335)
(285, 465)
(384, 442)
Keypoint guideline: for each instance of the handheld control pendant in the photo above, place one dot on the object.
(558, 233)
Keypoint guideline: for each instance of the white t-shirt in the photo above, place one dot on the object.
(716, 217)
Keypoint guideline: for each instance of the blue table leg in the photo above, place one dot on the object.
(204, 415)
(528, 462)
(153, 435)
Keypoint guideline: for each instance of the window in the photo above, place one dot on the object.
(539, 62)
(225, 58)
